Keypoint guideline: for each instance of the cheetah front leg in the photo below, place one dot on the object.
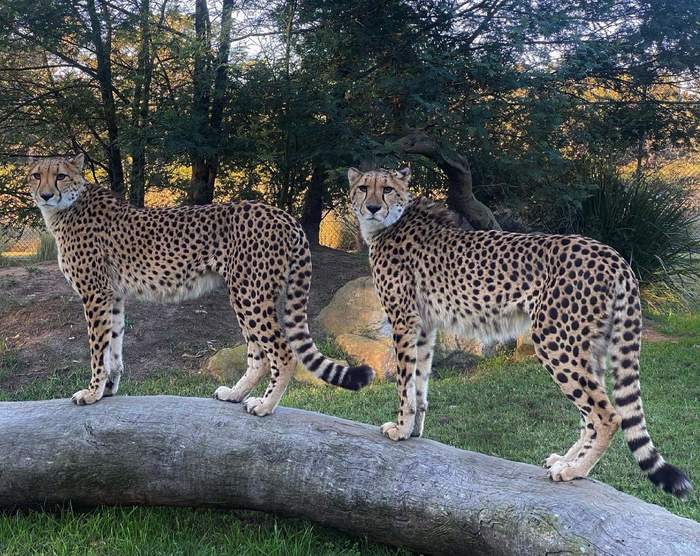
(405, 344)
(116, 366)
(98, 314)
(424, 363)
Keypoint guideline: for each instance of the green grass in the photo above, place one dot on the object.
(510, 410)
(8, 360)
(161, 531)
(15, 260)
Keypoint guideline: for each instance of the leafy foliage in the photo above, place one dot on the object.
(651, 223)
(533, 93)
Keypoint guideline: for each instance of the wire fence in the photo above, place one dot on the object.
(29, 244)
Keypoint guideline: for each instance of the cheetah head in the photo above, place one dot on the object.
(55, 183)
(378, 197)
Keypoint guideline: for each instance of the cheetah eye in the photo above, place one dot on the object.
(61, 176)
(36, 175)
(363, 188)
(388, 190)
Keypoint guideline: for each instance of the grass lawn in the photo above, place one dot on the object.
(511, 410)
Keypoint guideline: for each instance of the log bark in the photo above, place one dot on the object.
(420, 494)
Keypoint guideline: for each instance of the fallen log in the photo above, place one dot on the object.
(426, 496)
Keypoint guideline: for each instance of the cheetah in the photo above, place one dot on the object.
(579, 296)
(109, 251)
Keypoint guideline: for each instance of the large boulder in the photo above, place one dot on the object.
(378, 354)
(524, 347)
(448, 343)
(355, 309)
(356, 320)
(228, 364)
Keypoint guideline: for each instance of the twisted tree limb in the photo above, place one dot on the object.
(426, 496)
(460, 196)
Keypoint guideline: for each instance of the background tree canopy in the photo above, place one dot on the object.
(275, 99)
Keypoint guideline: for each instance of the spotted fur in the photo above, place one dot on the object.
(109, 251)
(579, 296)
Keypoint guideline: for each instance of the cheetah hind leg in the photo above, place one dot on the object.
(281, 372)
(258, 365)
(116, 366)
(424, 360)
(554, 459)
(598, 364)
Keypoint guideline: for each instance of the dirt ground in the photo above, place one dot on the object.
(42, 325)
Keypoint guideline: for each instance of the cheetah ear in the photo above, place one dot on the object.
(31, 161)
(78, 161)
(404, 174)
(353, 175)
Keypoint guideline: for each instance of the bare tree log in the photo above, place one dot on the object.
(426, 496)
(460, 196)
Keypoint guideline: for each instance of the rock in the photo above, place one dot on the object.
(524, 347)
(378, 354)
(356, 319)
(355, 309)
(229, 364)
(448, 343)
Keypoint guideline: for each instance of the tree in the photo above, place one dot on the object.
(528, 95)
(210, 80)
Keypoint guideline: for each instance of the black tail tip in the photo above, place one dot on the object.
(357, 377)
(671, 480)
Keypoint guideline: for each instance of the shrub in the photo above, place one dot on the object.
(47, 248)
(650, 222)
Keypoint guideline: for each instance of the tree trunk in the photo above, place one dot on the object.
(425, 496)
(209, 100)
(103, 52)
(200, 192)
(139, 115)
(313, 207)
(460, 196)
(218, 101)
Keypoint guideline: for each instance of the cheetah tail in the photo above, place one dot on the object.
(297, 329)
(624, 352)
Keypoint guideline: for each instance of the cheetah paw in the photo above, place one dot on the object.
(393, 431)
(418, 429)
(255, 406)
(110, 389)
(225, 394)
(84, 397)
(564, 471)
(552, 460)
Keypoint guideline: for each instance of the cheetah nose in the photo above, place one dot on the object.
(46, 196)
(373, 208)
